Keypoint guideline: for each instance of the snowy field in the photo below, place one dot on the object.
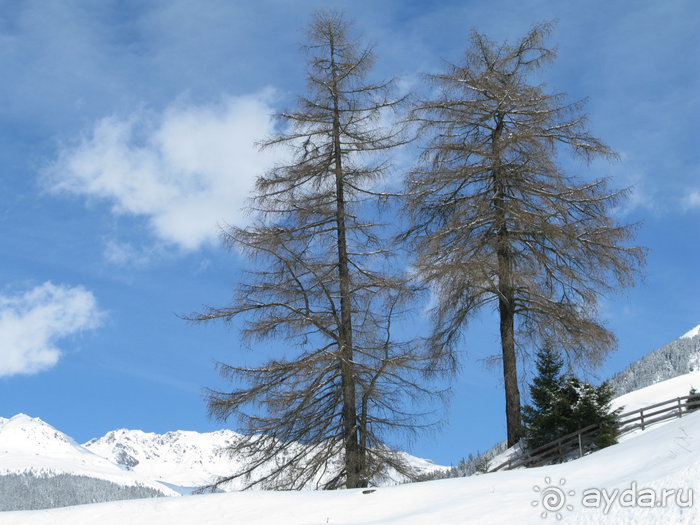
(665, 458)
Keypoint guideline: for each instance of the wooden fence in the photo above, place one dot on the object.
(577, 443)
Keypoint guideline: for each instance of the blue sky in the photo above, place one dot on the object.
(127, 134)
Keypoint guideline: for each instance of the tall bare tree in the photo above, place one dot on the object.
(497, 221)
(322, 280)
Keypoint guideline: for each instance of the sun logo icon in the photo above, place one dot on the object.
(552, 498)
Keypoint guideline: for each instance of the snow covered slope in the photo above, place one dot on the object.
(644, 397)
(189, 459)
(676, 358)
(675, 387)
(645, 480)
(31, 445)
(668, 372)
(692, 333)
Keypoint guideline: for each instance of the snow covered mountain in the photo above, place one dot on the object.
(30, 445)
(671, 360)
(191, 459)
(182, 458)
(692, 333)
(42, 467)
(33, 453)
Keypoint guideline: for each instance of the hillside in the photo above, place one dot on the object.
(671, 360)
(675, 387)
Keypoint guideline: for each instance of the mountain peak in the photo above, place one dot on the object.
(23, 433)
(21, 419)
(692, 333)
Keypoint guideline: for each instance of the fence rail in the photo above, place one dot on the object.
(581, 441)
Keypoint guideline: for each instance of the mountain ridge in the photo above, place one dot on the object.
(173, 463)
(31, 446)
(678, 357)
(191, 459)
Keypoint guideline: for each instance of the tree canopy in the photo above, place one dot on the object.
(323, 280)
(497, 221)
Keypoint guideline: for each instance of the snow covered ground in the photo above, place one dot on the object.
(675, 387)
(692, 333)
(622, 484)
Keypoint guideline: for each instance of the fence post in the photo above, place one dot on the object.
(561, 454)
(641, 414)
(580, 446)
(680, 408)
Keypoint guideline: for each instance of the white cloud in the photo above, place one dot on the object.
(641, 197)
(32, 322)
(691, 200)
(126, 254)
(187, 170)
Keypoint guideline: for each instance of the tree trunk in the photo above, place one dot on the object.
(353, 453)
(510, 376)
(506, 295)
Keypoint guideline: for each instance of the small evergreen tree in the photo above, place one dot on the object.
(564, 404)
(481, 464)
(543, 419)
(590, 405)
(694, 398)
(606, 419)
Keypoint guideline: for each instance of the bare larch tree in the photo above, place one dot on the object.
(497, 221)
(323, 281)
